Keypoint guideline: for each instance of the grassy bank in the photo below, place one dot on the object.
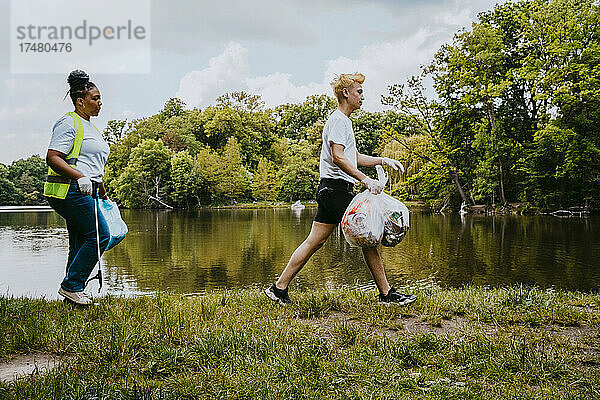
(469, 343)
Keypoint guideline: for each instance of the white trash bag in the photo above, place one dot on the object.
(395, 220)
(372, 219)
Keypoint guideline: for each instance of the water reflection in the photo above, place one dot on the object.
(194, 251)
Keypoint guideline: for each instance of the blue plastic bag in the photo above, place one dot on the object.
(116, 226)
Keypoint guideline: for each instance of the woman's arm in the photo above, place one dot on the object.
(56, 161)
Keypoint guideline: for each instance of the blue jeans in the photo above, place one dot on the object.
(78, 210)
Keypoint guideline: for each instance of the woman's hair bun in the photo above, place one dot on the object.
(78, 78)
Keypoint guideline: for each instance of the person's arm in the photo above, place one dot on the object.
(340, 159)
(337, 152)
(102, 191)
(367, 161)
(56, 160)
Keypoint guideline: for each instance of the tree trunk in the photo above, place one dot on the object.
(492, 117)
(472, 198)
(454, 176)
(562, 191)
(501, 182)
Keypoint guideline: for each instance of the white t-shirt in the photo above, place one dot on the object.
(94, 149)
(338, 129)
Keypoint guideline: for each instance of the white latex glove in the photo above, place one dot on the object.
(390, 162)
(85, 185)
(373, 185)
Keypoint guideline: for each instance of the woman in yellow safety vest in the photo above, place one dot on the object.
(76, 157)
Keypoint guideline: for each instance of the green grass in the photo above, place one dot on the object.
(471, 343)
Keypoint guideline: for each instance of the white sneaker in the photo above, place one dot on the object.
(76, 297)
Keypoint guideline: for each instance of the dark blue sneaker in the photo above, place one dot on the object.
(399, 298)
(278, 295)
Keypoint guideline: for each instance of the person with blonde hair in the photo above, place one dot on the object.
(338, 170)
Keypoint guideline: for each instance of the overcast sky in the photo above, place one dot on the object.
(283, 50)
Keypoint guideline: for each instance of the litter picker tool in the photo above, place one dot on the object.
(96, 205)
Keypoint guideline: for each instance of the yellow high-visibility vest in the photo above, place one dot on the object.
(57, 185)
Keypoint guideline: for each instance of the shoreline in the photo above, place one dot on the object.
(468, 343)
(488, 210)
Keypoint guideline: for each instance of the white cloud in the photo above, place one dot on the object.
(224, 73)
(229, 72)
(387, 63)
(460, 18)
(383, 64)
(277, 89)
(129, 115)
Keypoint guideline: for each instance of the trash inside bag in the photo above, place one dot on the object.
(116, 226)
(362, 222)
(372, 219)
(395, 220)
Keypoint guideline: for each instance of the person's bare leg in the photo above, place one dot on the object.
(375, 264)
(316, 238)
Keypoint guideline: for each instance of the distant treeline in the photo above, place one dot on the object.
(514, 118)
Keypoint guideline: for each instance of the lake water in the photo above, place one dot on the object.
(196, 251)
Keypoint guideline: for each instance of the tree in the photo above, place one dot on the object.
(527, 70)
(173, 107)
(264, 181)
(299, 175)
(476, 66)
(114, 130)
(29, 175)
(423, 115)
(10, 195)
(146, 175)
(208, 164)
(187, 183)
(368, 128)
(241, 101)
(413, 165)
(293, 120)
(232, 176)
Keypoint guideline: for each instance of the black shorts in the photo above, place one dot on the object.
(333, 197)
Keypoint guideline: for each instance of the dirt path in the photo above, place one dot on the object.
(26, 365)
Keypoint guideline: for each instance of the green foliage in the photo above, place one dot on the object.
(517, 103)
(299, 175)
(232, 176)
(244, 120)
(293, 120)
(264, 181)
(174, 107)
(114, 131)
(211, 152)
(10, 195)
(188, 186)
(28, 177)
(146, 174)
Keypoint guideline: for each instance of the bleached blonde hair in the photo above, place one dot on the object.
(344, 81)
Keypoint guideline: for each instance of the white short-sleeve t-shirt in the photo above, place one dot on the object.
(338, 129)
(94, 149)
